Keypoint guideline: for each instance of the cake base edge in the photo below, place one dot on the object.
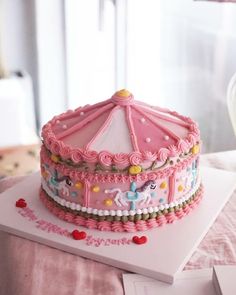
(119, 226)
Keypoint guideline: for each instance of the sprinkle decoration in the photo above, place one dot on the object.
(79, 185)
(139, 240)
(55, 158)
(195, 149)
(163, 185)
(78, 235)
(21, 203)
(108, 202)
(166, 137)
(180, 188)
(135, 169)
(96, 189)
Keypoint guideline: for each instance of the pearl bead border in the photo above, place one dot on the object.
(77, 207)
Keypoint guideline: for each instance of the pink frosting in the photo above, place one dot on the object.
(69, 217)
(104, 225)
(91, 223)
(129, 227)
(171, 217)
(135, 158)
(183, 146)
(118, 226)
(161, 220)
(65, 152)
(152, 223)
(90, 156)
(55, 146)
(141, 225)
(76, 156)
(54, 141)
(163, 154)
(187, 209)
(121, 159)
(79, 220)
(149, 156)
(115, 177)
(122, 102)
(105, 158)
(173, 150)
(180, 213)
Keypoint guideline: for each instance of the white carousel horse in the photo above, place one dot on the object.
(142, 195)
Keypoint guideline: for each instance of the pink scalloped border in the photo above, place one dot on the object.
(115, 177)
(118, 226)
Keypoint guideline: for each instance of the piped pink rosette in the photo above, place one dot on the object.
(121, 160)
(118, 178)
(105, 158)
(136, 158)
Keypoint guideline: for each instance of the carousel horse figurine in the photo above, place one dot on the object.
(142, 195)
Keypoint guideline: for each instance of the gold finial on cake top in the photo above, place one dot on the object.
(123, 93)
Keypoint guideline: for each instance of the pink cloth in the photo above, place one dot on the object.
(28, 268)
(31, 268)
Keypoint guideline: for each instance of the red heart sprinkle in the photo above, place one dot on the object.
(21, 203)
(83, 235)
(139, 240)
(78, 235)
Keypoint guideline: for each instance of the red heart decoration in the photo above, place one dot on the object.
(78, 235)
(21, 203)
(139, 240)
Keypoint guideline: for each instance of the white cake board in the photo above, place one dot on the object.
(164, 255)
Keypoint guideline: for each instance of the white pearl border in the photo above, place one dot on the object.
(89, 210)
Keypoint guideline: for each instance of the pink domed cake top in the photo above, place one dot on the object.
(120, 130)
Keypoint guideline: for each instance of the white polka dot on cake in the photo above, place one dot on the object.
(148, 139)
(142, 120)
(81, 113)
(166, 137)
(64, 126)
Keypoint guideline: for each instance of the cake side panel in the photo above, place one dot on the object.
(107, 194)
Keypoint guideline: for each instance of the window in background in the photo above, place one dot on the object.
(90, 50)
(178, 54)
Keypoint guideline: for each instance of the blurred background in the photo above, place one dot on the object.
(61, 54)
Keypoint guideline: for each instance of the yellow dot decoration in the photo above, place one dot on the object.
(79, 185)
(44, 174)
(96, 189)
(108, 202)
(180, 188)
(195, 149)
(123, 93)
(135, 169)
(55, 158)
(163, 185)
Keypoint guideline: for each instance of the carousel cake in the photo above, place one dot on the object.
(120, 165)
